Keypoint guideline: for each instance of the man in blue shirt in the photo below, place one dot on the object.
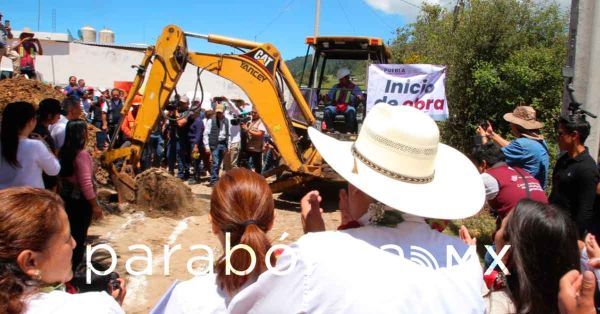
(342, 99)
(73, 90)
(529, 150)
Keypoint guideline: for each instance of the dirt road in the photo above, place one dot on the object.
(133, 227)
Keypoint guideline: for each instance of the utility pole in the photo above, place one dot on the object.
(584, 59)
(39, 14)
(317, 15)
(592, 98)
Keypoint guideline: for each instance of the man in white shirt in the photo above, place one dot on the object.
(232, 114)
(216, 138)
(72, 111)
(391, 261)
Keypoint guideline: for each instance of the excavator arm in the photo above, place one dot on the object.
(258, 72)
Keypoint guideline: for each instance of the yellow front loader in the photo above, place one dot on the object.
(259, 71)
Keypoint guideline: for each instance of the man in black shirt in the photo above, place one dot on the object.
(575, 174)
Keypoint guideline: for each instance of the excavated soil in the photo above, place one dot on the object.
(161, 194)
(22, 89)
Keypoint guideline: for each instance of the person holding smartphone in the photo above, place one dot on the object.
(5, 46)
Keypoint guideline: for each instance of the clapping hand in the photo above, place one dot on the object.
(311, 212)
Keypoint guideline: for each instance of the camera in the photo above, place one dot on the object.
(240, 118)
(172, 105)
(218, 99)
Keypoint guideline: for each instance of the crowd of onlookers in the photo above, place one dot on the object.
(401, 183)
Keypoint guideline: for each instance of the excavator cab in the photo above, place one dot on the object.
(330, 53)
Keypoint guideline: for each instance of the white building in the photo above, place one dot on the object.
(101, 64)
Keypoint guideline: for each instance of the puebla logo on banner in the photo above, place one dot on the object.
(416, 85)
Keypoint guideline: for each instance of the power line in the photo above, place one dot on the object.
(411, 4)
(285, 8)
(346, 15)
(381, 20)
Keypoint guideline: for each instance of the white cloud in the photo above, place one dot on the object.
(411, 8)
(407, 8)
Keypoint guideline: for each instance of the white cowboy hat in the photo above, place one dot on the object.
(397, 159)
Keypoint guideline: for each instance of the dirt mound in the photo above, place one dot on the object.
(161, 194)
(22, 89)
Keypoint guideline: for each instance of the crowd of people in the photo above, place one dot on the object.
(401, 182)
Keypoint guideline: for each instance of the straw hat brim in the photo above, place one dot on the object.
(526, 124)
(456, 191)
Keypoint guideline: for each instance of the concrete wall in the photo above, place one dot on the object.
(101, 66)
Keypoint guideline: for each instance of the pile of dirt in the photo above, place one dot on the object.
(22, 89)
(160, 194)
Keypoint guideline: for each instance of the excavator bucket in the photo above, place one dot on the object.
(125, 186)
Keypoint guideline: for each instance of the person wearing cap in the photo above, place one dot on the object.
(529, 150)
(575, 175)
(393, 262)
(183, 122)
(343, 99)
(255, 131)
(216, 140)
(27, 48)
(129, 124)
(6, 47)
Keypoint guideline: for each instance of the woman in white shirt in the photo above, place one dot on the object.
(242, 210)
(22, 159)
(35, 257)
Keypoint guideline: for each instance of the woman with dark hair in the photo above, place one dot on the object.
(543, 248)
(48, 114)
(35, 258)
(77, 186)
(23, 160)
(241, 213)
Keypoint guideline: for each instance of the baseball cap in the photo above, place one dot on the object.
(184, 98)
(220, 108)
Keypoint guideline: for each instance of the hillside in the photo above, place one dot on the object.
(358, 69)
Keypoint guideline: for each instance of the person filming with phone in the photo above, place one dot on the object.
(528, 150)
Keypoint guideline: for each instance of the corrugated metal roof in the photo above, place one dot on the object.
(119, 46)
(46, 36)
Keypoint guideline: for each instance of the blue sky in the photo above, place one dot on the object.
(284, 23)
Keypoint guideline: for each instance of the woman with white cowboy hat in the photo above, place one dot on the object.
(529, 150)
(392, 262)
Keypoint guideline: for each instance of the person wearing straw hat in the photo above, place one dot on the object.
(27, 48)
(529, 150)
(392, 262)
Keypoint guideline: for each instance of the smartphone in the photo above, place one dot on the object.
(100, 139)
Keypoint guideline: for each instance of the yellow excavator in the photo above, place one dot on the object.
(262, 75)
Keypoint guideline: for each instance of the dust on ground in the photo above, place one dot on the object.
(139, 225)
(22, 89)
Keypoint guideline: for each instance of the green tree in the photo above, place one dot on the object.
(499, 53)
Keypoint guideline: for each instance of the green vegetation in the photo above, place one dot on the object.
(357, 68)
(499, 53)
